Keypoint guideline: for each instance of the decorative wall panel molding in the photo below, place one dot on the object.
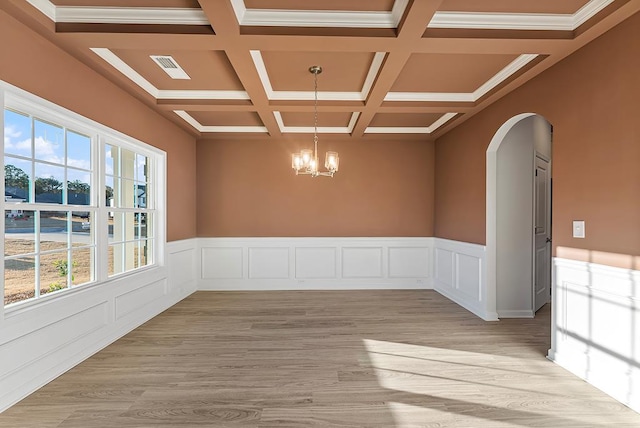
(360, 262)
(40, 341)
(268, 263)
(595, 323)
(223, 262)
(596, 326)
(314, 263)
(460, 275)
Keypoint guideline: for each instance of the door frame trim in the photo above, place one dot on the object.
(491, 229)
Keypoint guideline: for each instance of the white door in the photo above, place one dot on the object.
(542, 234)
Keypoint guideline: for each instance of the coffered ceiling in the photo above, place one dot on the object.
(396, 69)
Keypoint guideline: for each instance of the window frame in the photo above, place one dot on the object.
(21, 101)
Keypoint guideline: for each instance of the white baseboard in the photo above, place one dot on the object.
(596, 325)
(314, 263)
(40, 342)
(516, 314)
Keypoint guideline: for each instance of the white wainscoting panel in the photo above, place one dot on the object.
(468, 275)
(223, 262)
(131, 301)
(362, 262)
(596, 326)
(268, 263)
(314, 263)
(54, 335)
(40, 340)
(183, 266)
(460, 275)
(444, 267)
(409, 262)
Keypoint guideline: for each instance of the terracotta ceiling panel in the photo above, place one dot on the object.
(324, 119)
(404, 119)
(341, 71)
(449, 73)
(355, 5)
(511, 6)
(208, 70)
(445, 62)
(217, 118)
(190, 4)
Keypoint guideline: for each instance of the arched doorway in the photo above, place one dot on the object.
(518, 216)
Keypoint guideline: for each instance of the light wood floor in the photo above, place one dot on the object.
(322, 359)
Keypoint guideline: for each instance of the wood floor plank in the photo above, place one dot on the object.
(322, 359)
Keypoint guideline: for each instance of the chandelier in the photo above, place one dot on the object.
(306, 161)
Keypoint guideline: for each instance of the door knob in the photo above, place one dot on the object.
(548, 239)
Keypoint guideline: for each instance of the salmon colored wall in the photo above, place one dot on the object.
(34, 64)
(592, 99)
(247, 188)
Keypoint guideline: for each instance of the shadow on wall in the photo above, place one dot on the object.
(596, 320)
(624, 261)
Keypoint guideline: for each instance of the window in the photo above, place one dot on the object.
(59, 232)
(127, 189)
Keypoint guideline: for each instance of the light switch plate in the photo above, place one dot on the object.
(578, 228)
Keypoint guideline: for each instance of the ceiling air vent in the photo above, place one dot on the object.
(170, 66)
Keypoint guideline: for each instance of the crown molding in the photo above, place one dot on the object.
(46, 7)
(378, 59)
(518, 21)
(321, 129)
(319, 18)
(501, 21)
(587, 11)
(115, 61)
(454, 97)
(310, 96)
(189, 119)
(474, 96)
(168, 94)
(173, 94)
(410, 129)
(504, 74)
(335, 19)
(120, 15)
(354, 118)
(398, 9)
(261, 69)
(443, 119)
(217, 129)
(131, 15)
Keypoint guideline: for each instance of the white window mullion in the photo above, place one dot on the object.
(65, 183)
(3, 203)
(36, 242)
(69, 248)
(32, 179)
(101, 227)
(159, 205)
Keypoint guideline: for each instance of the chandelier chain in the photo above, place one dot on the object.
(315, 115)
(306, 161)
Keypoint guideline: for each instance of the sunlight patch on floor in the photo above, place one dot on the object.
(437, 384)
